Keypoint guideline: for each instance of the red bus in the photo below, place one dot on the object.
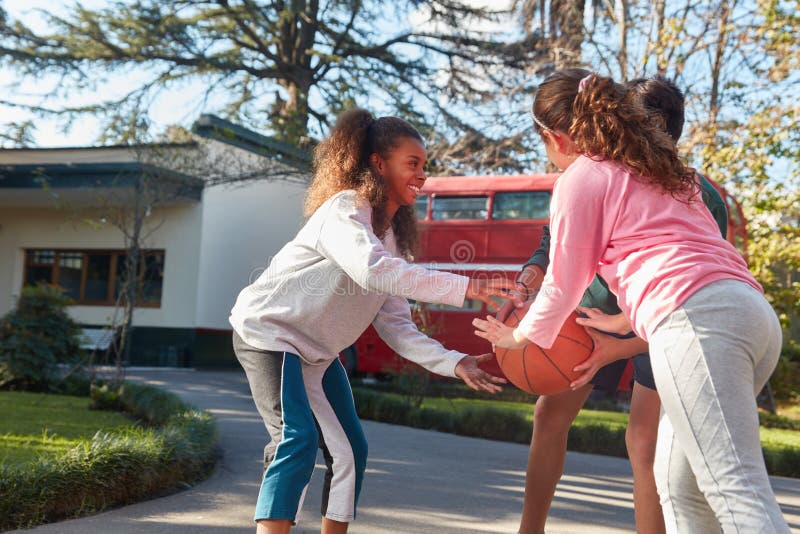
(481, 226)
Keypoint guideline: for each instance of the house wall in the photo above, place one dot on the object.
(243, 227)
(212, 248)
(245, 222)
(178, 234)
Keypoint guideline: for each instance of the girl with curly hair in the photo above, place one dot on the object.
(628, 209)
(345, 269)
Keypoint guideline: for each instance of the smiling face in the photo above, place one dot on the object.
(403, 170)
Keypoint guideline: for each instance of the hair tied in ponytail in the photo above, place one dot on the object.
(582, 83)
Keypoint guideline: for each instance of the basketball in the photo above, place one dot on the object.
(545, 371)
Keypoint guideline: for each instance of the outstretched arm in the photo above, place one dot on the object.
(347, 239)
(395, 326)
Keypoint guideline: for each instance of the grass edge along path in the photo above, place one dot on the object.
(174, 450)
(594, 432)
(36, 424)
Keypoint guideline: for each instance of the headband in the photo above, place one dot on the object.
(581, 87)
(539, 123)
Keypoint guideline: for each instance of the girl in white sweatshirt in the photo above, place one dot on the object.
(344, 270)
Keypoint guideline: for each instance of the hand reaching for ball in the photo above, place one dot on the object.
(498, 334)
(467, 370)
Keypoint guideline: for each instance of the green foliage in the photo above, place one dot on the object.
(785, 380)
(748, 139)
(288, 67)
(113, 468)
(781, 451)
(592, 432)
(153, 405)
(771, 420)
(105, 397)
(35, 338)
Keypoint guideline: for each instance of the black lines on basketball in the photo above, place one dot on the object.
(545, 371)
(577, 341)
(557, 368)
(525, 367)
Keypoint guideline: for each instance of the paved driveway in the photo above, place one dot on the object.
(417, 481)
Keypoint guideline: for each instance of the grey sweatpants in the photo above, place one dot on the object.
(305, 407)
(710, 358)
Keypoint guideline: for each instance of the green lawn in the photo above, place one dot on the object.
(772, 436)
(34, 424)
(525, 408)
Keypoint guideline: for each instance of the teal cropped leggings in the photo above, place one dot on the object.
(305, 408)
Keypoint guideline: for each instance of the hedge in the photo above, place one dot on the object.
(507, 425)
(116, 468)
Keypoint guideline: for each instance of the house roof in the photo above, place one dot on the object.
(117, 166)
(105, 174)
(213, 127)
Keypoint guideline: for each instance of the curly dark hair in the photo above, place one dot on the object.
(607, 120)
(342, 161)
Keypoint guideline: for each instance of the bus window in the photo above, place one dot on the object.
(449, 208)
(422, 207)
(521, 205)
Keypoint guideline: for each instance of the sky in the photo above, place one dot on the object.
(181, 105)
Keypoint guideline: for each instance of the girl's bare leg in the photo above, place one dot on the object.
(329, 526)
(273, 526)
(552, 418)
(640, 439)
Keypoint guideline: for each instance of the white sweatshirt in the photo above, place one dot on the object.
(324, 288)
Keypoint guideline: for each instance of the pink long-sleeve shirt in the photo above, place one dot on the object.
(653, 250)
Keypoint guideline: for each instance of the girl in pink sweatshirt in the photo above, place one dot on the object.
(628, 209)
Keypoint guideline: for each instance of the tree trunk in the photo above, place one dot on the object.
(297, 31)
(291, 123)
(131, 281)
(661, 60)
(719, 58)
(566, 27)
(622, 38)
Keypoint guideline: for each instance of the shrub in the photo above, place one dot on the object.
(494, 423)
(598, 439)
(35, 338)
(782, 460)
(771, 420)
(785, 381)
(114, 468)
(105, 397)
(781, 452)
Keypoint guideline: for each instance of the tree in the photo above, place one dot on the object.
(285, 67)
(561, 24)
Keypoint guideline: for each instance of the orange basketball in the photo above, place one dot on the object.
(546, 371)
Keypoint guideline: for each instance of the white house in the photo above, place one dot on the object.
(224, 203)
